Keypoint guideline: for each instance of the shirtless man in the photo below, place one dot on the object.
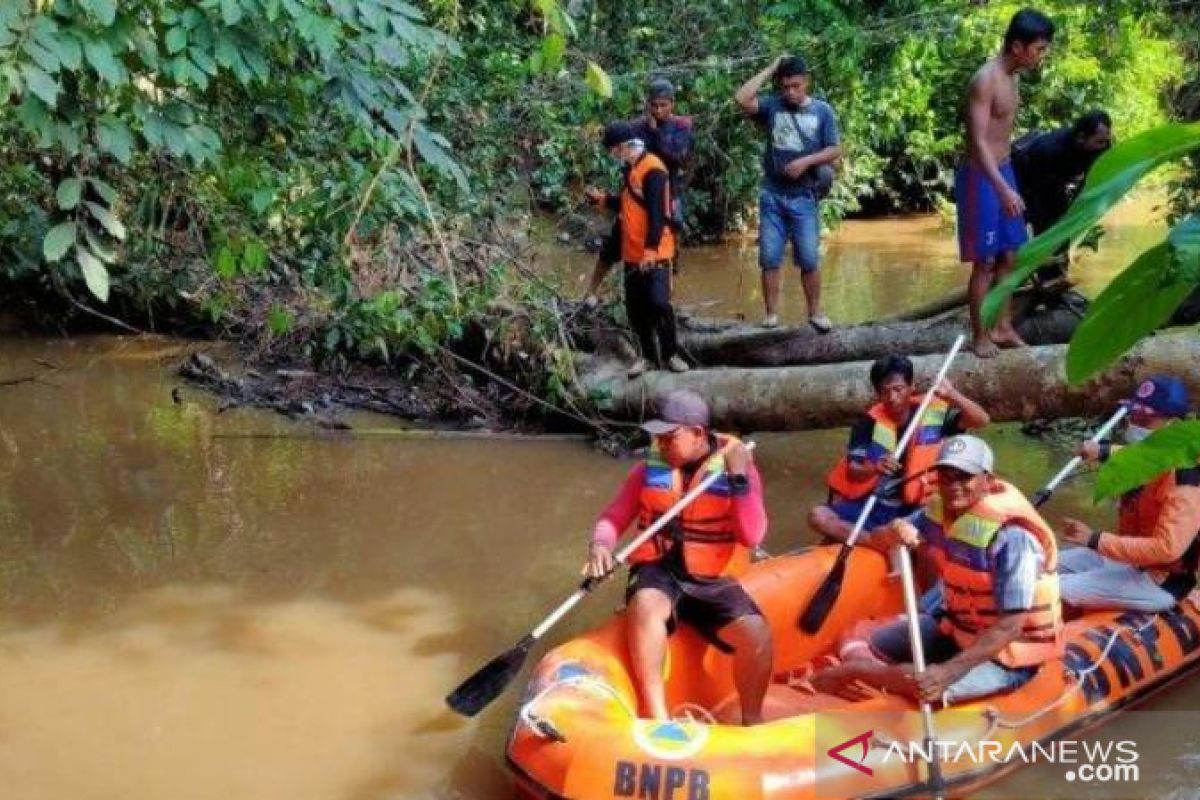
(991, 223)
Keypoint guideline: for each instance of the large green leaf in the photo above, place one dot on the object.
(1177, 446)
(41, 84)
(95, 274)
(100, 55)
(67, 193)
(103, 10)
(114, 137)
(107, 220)
(598, 80)
(1112, 176)
(1139, 301)
(58, 241)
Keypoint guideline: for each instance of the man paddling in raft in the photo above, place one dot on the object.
(688, 572)
(869, 457)
(996, 557)
(1150, 561)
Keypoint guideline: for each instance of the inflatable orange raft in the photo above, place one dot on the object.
(577, 734)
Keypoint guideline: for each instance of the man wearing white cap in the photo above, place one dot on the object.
(996, 557)
(689, 571)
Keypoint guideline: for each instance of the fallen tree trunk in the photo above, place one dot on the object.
(750, 346)
(1023, 384)
(726, 343)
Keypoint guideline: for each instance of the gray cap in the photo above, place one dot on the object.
(660, 88)
(676, 409)
(968, 453)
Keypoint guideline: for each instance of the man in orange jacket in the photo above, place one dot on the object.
(689, 571)
(647, 244)
(1001, 616)
(869, 457)
(1150, 562)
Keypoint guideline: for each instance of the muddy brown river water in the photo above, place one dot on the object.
(200, 605)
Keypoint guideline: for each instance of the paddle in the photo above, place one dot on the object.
(827, 593)
(477, 691)
(1042, 496)
(936, 782)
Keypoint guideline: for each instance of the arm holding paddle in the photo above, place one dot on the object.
(750, 521)
(822, 601)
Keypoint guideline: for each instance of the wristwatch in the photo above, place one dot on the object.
(740, 484)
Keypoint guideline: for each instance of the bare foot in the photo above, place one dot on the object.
(984, 347)
(1008, 337)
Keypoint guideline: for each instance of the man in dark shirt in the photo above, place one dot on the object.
(668, 136)
(802, 143)
(1051, 167)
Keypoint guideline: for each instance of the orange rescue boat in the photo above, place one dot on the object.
(577, 734)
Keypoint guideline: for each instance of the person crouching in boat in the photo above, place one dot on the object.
(996, 557)
(869, 458)
(688, 572)
(1150, 561)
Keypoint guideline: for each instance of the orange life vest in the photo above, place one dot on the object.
(704, 529)
(921, 454)
(961, 552)
(635, 221)
(1138, 516)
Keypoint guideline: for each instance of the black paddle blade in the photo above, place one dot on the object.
(826, 595)
(477, 691)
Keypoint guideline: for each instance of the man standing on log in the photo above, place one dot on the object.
(869, 458)
(1150, 562)
(991, 223)
(647, 246)
(1051, 167)
(669, 136)
(803, 141)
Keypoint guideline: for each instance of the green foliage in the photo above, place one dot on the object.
(115, 97)
(1176, 446)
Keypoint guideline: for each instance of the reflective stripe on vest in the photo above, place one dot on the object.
(635, 222)
(704, 529)
(967, 572)
(921, 455)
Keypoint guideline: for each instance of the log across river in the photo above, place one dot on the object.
(1022, 384)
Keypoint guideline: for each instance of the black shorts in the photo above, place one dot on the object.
(706, 605)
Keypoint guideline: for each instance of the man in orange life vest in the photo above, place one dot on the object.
(1150, 562)
(869, 458)
(669, 136)
(688, 572)
(1001, 615)
(647, 246)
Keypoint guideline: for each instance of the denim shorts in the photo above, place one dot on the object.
(788, 218)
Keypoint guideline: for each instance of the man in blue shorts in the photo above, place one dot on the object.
(802, 144)
(991, 222)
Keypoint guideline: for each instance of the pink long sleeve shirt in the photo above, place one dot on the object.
(749, 514)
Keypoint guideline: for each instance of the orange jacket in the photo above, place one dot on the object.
(635, 221)
(704, 529)
(921, 454)
(961, 553)
(1158, 526)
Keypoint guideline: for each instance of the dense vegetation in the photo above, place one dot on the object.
(349, 179)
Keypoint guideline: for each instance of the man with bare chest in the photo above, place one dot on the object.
(991, 221)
